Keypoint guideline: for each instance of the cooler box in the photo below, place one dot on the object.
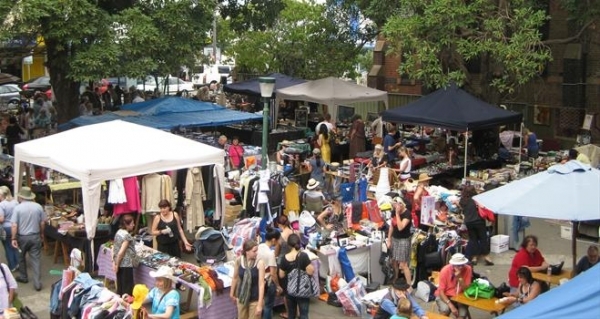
(499, 244)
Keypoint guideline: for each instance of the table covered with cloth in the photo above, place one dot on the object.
(81, 243)
(220, 306)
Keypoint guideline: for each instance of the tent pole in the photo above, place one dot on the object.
(466, 149)
(574, 226)
(520, 143)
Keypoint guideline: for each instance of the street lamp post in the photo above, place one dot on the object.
(267, 84)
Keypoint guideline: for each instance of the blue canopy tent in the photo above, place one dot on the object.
(251, 87)
(168, 113)
(578, 298)
(454, 109)
(565, 191)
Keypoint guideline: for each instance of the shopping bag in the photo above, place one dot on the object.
(480, 288)
(350, 297)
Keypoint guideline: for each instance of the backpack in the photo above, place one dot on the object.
(425, 290)
(210, 246)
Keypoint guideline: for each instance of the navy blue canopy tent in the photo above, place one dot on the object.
(578, 298)
(251, 87)
(452, 108)
(168, 113)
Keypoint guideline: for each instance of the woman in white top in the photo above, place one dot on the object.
(405, 163)
(8, 287)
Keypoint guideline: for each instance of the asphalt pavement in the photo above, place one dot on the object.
(553, 247)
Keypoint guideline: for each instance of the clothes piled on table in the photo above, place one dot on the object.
(86, 298)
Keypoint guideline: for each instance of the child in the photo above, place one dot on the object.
(404, 310)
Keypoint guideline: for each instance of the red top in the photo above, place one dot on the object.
(449, 282)
(523, 258)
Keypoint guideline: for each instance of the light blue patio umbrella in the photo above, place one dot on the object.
(569, 191)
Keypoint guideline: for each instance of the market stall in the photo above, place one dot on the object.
(565, 192)
(251, 87)
(168, 113)
(454, 109)
(332, 92)
(96, 153)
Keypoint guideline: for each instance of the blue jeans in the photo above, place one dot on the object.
(12, 254)
(270, 293)
(301, 303)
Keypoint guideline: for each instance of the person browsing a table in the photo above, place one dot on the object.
(454, 279)
(124, 254)
(405, 163)
(528, 256)
(167, 229)
(27, 234)
(390, 146)
(588, 261)
(163, 298)
(396, 295)
(316, 166)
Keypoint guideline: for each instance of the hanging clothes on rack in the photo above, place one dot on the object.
(194, 195)
(116, 192)
(132, 193)
(292, 198)
(247, 181)
(156, 187)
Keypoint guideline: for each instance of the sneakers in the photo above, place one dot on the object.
(15, 269)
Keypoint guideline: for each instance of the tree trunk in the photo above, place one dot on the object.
(66, 91)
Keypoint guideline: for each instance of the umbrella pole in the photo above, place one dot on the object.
(466, 147)
(574, 226)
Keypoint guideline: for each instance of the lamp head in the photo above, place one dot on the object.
(267, 85)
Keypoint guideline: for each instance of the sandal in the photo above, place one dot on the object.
(283, 315)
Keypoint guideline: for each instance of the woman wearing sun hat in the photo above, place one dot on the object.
(420, 192)
(313, 199)
(454, 279)
(164, 299)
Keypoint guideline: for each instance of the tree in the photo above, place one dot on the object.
(440, 40)
(88, 40)
(306, 40)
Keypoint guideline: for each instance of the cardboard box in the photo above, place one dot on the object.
(499, 244)
(566, 232)
(232, 212)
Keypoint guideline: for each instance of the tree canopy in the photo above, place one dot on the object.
(88, 40)
(305, 40)
(440, 40)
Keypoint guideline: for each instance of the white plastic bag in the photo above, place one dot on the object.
(307, 223)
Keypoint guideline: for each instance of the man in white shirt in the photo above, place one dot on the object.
(266, 253)
(326, 121)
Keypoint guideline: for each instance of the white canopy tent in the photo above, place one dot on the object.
(332, 92)
(100, 152)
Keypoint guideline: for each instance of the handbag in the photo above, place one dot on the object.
(300, 284)
(500, 290)
(480, 288)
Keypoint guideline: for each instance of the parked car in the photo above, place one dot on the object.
(214, 73)
(173, 86)
(10, 96)
(40, 84)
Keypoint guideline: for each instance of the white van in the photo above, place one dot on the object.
(217, 73)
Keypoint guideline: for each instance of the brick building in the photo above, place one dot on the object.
(554, 105)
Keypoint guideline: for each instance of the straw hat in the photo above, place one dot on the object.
(163, 272)
(140, 292)
(378, 147)
(423, 177)
(458, 259)
(26, 193)
(312, 184)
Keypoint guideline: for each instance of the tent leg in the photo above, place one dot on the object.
(466, 152)
(520, 143)
(574, 226)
